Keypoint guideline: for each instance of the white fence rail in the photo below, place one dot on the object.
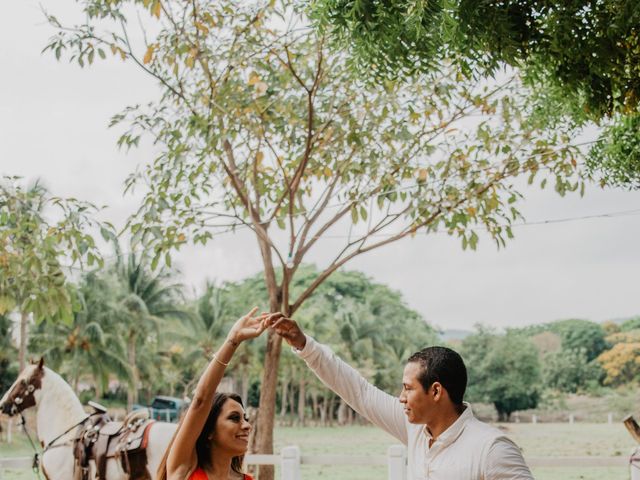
(289, 462)
(291, 459)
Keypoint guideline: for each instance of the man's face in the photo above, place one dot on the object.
(418, 404)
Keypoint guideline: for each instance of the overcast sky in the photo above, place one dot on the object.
(53, 125)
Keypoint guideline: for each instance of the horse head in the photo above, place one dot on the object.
(22, 394)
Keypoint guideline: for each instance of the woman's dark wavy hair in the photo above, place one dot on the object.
(203, 444)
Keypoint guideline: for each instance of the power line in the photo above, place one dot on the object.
(615, 214)
(621, 213)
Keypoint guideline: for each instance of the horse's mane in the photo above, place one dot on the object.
(60, 393)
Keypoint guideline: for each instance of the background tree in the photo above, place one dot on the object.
(621, 363)
(573, 334)
(8, 365)
(568, 349)
(503, 370)
(630, 324)
(571, 371)
(33, 247)
(147, 299)
(581, 58)
(191, 340)
(91, 345)
(547, 342)
(263, 127)
(214, 311)
(581, 335)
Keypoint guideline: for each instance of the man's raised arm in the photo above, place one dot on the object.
(378, 407)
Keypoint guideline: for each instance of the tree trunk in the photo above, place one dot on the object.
(266, 414)
(245, 385)
(252, 413)
(291, 395)
(24, 326)
(331, 413)
(314, 403)
(278, 301)
(503, 416)
(342, 413)
(301, 402)
(283, 398)
(132, 392)
(324, 411)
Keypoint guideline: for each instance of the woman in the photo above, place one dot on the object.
(213, 436)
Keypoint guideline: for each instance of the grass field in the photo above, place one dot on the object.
(540, 440)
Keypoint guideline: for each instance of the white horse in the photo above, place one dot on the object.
(58, 413)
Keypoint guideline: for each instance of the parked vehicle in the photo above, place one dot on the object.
(166, 409)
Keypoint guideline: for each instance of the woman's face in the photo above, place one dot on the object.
(232, 429)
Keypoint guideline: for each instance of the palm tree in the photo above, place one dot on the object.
(90, 344)
(148, 299)
(213, 313)
(193, 338)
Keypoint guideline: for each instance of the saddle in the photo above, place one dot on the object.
(100, 439)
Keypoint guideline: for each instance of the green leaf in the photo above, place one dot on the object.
(106, 234)
(354, 214)
(155, 260)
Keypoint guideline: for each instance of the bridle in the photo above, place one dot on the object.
(26, 400)
(18, 404)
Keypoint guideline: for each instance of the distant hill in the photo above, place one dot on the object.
(454, 334)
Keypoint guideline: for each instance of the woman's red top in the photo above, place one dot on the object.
(199, 474)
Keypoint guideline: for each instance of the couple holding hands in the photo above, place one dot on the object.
(444, 440)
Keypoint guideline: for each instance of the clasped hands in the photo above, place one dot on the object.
(252, 326)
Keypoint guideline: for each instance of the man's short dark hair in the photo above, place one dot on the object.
(441, 364)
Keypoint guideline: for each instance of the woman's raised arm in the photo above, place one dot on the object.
(182, 458)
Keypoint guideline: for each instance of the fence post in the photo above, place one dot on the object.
(290, 463)
(534, 419)
(610, 418)
(397, 456)
(571, 418)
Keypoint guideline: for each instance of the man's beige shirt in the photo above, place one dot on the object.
(468, 450)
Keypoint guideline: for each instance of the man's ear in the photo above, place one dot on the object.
(437, 390)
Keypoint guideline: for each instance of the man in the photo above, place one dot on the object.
(445, 441)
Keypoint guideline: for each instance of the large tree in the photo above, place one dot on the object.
(582, 57)
(38, 234)
(263, 127)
